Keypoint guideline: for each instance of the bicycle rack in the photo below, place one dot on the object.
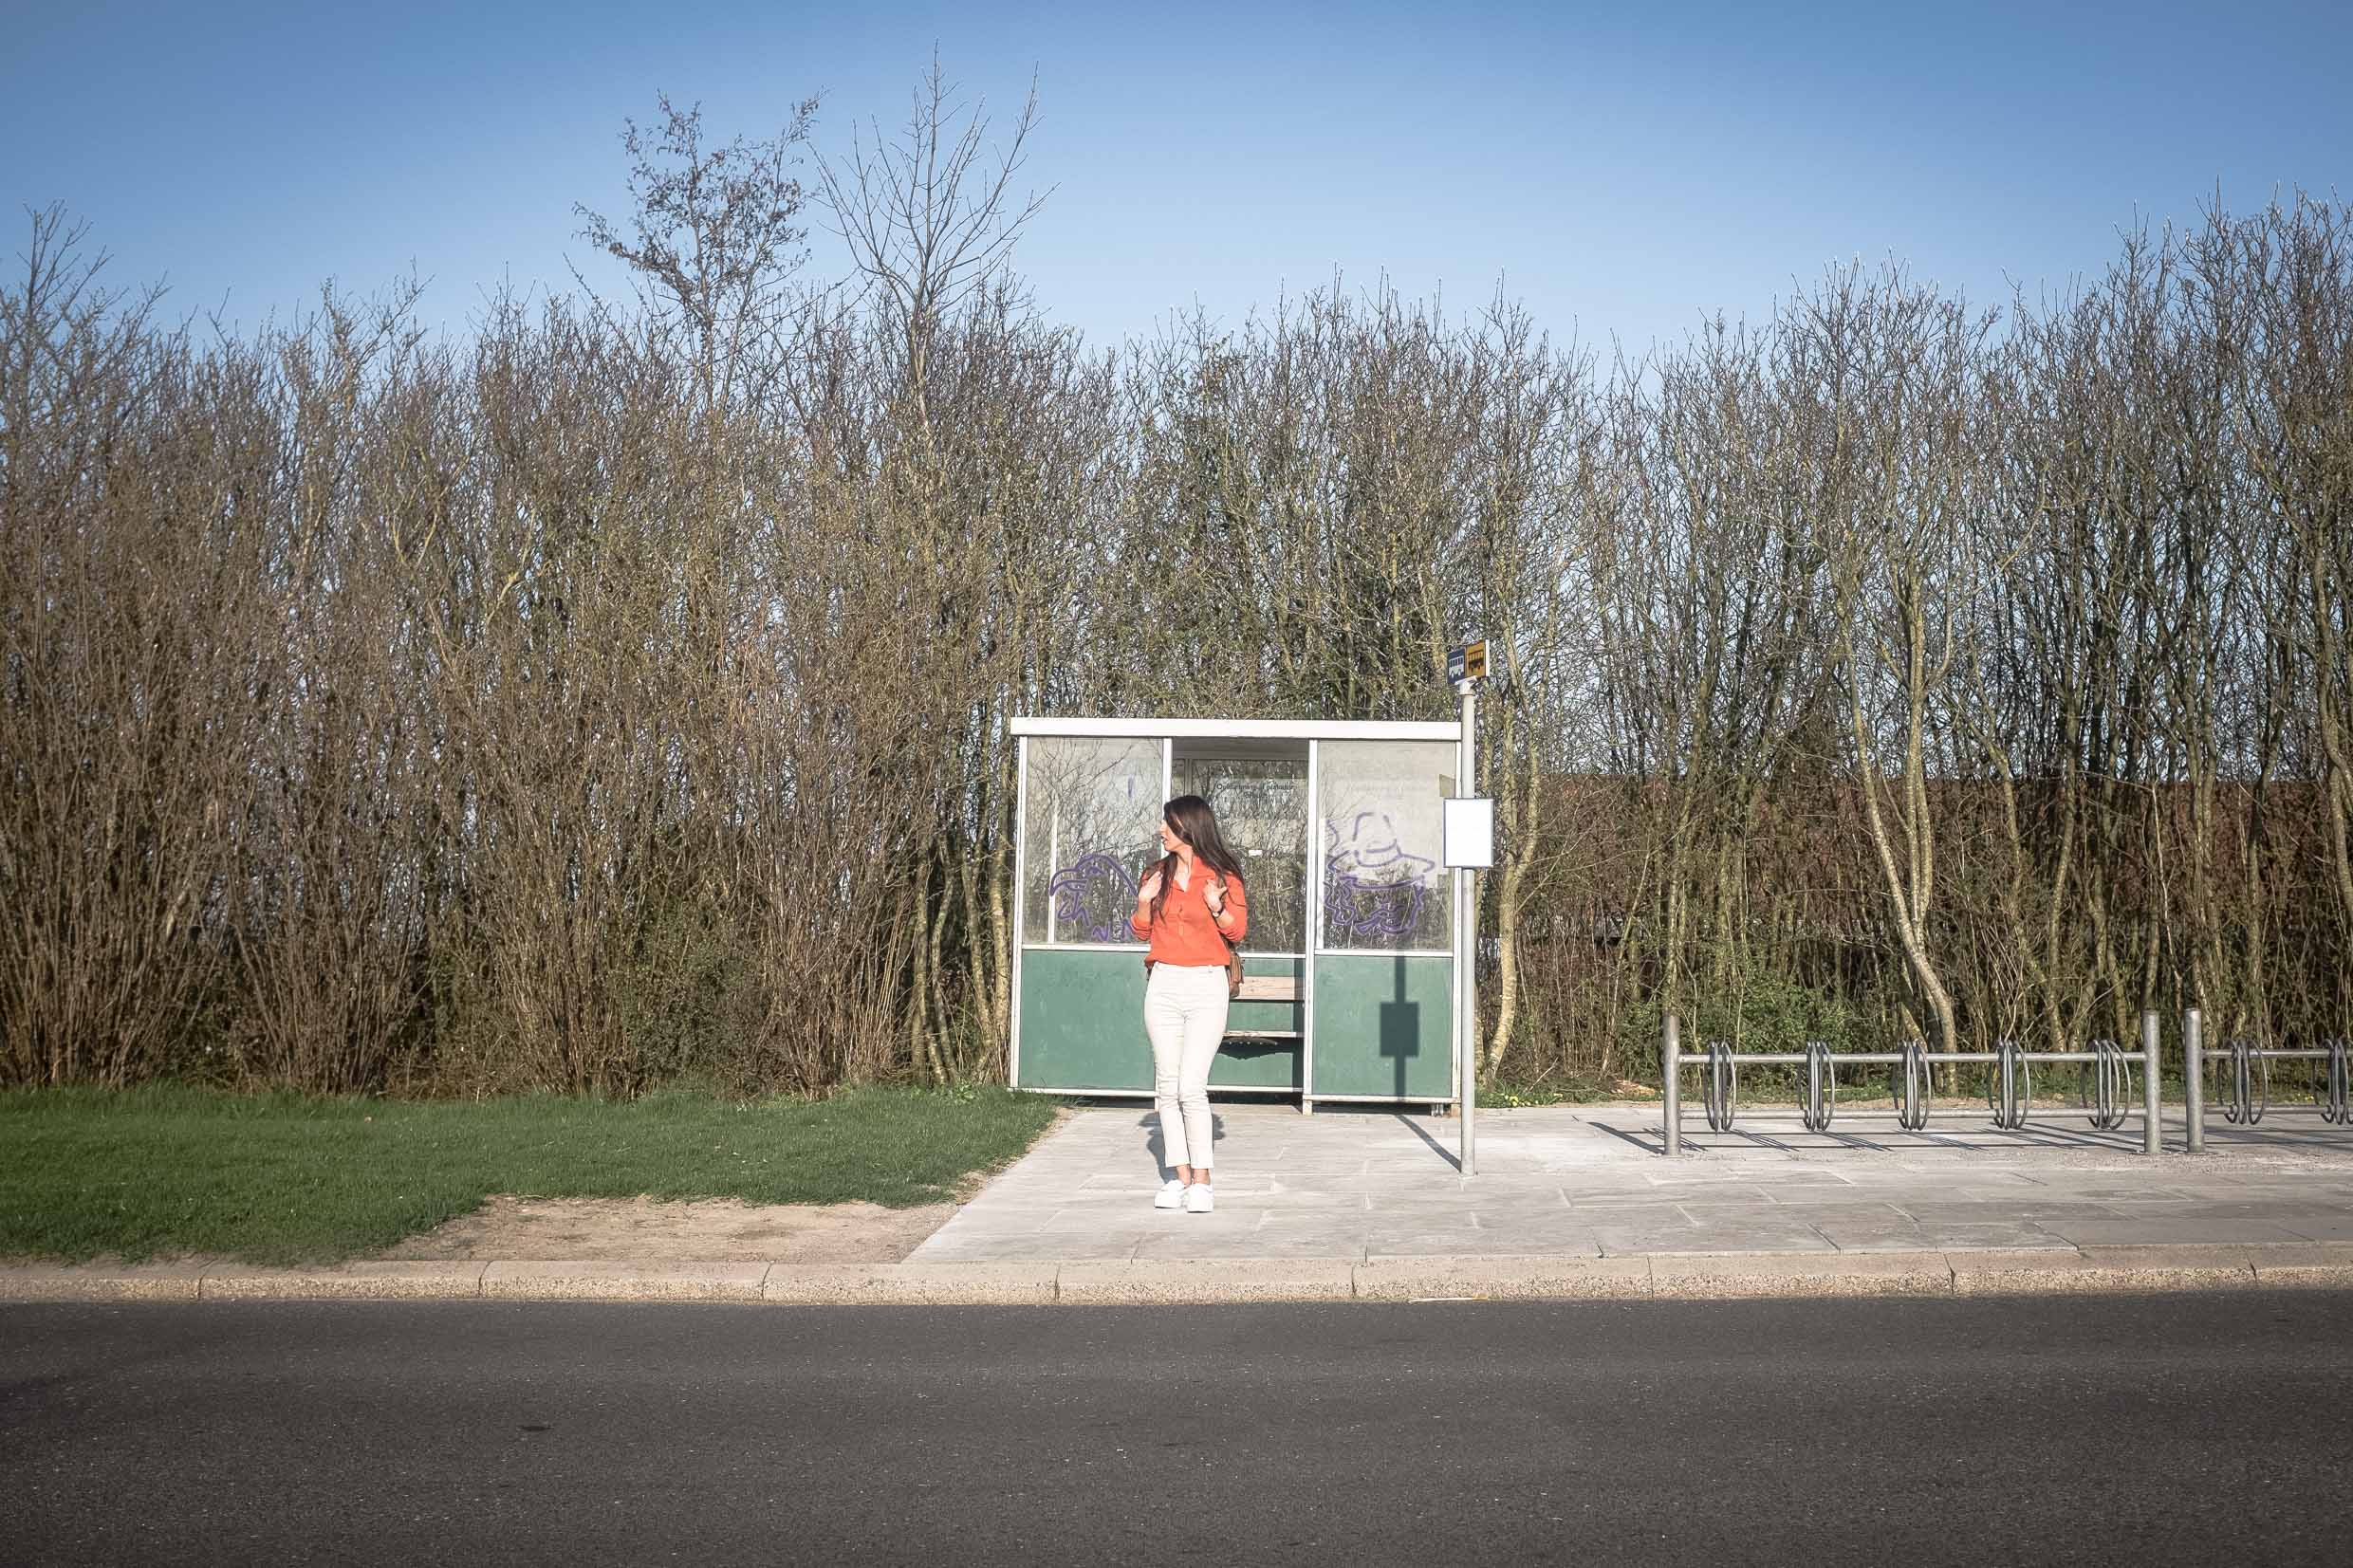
(2247, 1078)
(2107, 1098)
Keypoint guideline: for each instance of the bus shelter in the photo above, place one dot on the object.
(1350, 963)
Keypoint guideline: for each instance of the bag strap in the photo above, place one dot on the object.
(1233, 960)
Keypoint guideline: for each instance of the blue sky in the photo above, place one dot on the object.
(1623, 168)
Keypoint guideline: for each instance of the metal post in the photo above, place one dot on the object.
(1671, 1062)
(2194, 1081)
(1021, 929)
(1455, 1108)
(1466, 1033)
(2153, 1131)
(1467, 939)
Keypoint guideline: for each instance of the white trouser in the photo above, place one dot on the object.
(1185, 1015)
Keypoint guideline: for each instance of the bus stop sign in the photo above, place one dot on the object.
(1467, 662)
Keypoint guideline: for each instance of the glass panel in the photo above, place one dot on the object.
(1093, 806)
(1384, 886)
(1262, 809)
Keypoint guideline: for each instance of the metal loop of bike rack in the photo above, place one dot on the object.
(1915, 1086)
(2011, 1087)
(2110, 1087)
(2338, 1109)
(1821, 1087)
(1719, 1090)
(2250, 1084)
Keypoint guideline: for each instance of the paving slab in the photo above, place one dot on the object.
(967, 1252)
(2167, 1232)
(2098, 1191)
(1600, 1205)
(1829, 1199)
(1935, 1236)
(1303, 1201)
(2317, 1228)
(2286, 1208)
(1985, 1211)
(1727, 1203)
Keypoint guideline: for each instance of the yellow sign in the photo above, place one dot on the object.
(1468, 662)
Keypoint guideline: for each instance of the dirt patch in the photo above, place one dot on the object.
(704, 1230)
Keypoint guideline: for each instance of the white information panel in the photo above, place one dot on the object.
(1470, 832)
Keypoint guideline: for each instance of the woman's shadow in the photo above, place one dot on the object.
(1160, 1146)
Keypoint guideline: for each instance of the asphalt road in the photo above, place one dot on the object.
(2207, 1429)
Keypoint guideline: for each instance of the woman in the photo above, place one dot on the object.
(1190, 907)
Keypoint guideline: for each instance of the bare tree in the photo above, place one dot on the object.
(931, 218)
(715, 238)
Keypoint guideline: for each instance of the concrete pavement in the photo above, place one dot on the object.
(1588, 1182)
(1568, 1202)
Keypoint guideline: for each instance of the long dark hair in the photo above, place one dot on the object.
(1189, 818)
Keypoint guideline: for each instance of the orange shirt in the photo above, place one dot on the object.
(1185, 935)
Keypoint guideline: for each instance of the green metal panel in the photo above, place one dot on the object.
(1081, 1024)
(1384, 1025)
(1082, 1020)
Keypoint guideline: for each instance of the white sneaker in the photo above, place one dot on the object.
(1198, 1200)
(1170, 1195)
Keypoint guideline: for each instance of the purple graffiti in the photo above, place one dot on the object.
(1373, 889)
(1090, 896)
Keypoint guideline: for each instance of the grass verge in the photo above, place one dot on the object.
(161, 1172)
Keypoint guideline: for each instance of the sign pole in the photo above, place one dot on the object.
(1470, 846)
(1465, 939)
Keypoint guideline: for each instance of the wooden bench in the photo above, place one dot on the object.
(1267, 987)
